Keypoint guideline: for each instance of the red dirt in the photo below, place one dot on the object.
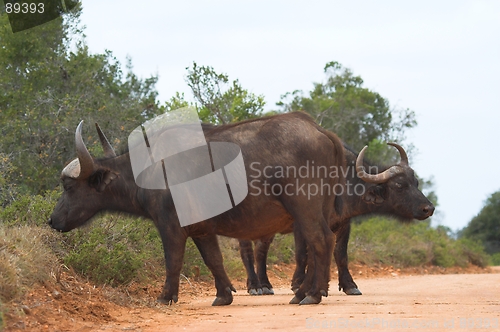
(431, 297)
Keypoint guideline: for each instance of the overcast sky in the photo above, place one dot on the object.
(440, 59)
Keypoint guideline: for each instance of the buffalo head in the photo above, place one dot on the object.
(395, 190)
(85, 183)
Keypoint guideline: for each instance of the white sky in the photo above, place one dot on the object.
(440, 59)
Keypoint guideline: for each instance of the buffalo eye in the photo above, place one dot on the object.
(95, 179)
(399, 185)
(67, 185)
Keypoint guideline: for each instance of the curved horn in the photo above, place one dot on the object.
(84, 157)
(381, 177)
(402, 153)
(108, 149)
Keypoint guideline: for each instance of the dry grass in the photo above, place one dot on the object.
(25, 259)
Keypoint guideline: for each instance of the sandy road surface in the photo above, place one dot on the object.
(392, 300)
(461, 302)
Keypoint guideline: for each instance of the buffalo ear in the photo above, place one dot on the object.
(100, 179)
(374, 195)
(106, 179)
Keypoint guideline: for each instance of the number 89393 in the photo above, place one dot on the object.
(24, 8)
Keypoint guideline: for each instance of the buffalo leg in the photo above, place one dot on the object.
(346, 283)
(300, 262)
(173, 249)
(261, 250)
(312, 225)
(302, 280)
(210, 251)
(246, 252)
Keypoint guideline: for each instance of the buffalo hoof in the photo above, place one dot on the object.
(295, 300)
(310, 300)
(222, 301)
(352, 291)
(295, 290)
(254, 291)
(267, 291)
(171, 301)
(225, 300)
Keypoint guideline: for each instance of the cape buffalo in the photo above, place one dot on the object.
(291, 140)
(393, 192)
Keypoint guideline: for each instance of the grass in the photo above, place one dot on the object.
(25, 259)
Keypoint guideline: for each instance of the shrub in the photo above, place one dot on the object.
(193, 265)
(282, 250)
(114, 249)
(495, 259)
(232, 259)
(30, 209)
(384, 241)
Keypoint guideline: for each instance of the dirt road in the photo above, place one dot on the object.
(436, 302)
(394, 302)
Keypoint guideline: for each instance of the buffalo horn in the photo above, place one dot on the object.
(108, 149)
(385, 175)
(402, 153)
(84, 157)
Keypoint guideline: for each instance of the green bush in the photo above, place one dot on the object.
(30, 209)
(115, 249)
(384, 241)
(282, 250)
(495, 259)
(193, 265)
(232, 259)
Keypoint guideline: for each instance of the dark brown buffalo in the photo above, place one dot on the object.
(95, 185)
(393, 192)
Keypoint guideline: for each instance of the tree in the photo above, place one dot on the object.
(48, 85)
(356, 114)
(485, 227)
(220, 101)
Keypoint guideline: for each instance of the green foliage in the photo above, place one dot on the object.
(30, 209)
(485, 227)
(232, 259)
(383, 241)
(282, 250)
(47, 86)
(193, 265)
(356, 114)
(115, 250)
(495, 259)
(8, 190)
(220, 101)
